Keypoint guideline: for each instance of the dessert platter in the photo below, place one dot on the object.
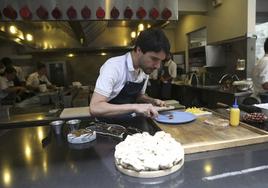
(146, 156)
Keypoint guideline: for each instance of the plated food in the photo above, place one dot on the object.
(149, 155)
(81, 136)
(255, 117)
(197, 111)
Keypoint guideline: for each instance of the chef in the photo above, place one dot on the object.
(38, 78)
(9, 92)
(169, 73)
(120, 87)
(260, 76)
(20, 78)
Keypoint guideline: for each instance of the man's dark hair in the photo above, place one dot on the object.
(10, 70)
(266, 46)
(153, 40)
(40, 66)
(6, 61)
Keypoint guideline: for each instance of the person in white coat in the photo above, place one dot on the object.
(121, 85)
(39, 78)
(169, 73)
(260, 76)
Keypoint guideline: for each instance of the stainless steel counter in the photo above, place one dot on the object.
(26, 162)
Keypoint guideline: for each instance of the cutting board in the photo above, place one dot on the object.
(75, 112)
(197, 136)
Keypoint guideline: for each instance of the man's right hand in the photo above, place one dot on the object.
(147, 110)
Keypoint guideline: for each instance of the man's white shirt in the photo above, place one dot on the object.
(114, 74)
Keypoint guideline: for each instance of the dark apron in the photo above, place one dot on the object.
(166, 87)
(16, 81)
(42, 82)
(128, 95)
(264, 97)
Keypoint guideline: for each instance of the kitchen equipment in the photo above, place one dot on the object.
(57, 126)
(114, 130)
(73, 124)
(174, 117)
(243, 85)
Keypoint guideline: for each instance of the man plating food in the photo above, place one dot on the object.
(120, 87)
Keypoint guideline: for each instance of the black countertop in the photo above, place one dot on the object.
(26, 162)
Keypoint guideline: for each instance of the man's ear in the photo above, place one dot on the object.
(138, 50)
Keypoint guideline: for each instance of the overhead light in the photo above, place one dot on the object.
(103, 53)
(13, 29)
(133, 34)
(140, 27)
(2, 28)
(148, 26)
(70, 55)
(29, 37)
(18, 40)
(45, 45)
(20, 35)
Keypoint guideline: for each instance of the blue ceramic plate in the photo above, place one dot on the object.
(173, 117)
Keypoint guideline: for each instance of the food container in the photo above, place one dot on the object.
(57, 126)
(73, 124)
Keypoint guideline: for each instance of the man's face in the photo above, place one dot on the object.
(42, 71)
(150, 61)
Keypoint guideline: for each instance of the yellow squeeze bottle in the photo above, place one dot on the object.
(234, 114)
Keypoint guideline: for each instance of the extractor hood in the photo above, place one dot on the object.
(89, 10)
(84, 25)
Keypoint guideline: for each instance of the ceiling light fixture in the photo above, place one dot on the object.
(29, 37)
(133, 34)
(140, 27)
(13, 29)
(70, 55)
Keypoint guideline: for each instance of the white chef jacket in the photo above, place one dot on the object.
(19, 73)
(172, 68)
(114, 74)
(4, 84)
(34, 80)
(260, 75)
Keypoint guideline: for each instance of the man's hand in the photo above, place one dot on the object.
(158, 102)
(147, 110)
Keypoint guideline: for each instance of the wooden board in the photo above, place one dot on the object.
(197, 136)
(75, 112)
